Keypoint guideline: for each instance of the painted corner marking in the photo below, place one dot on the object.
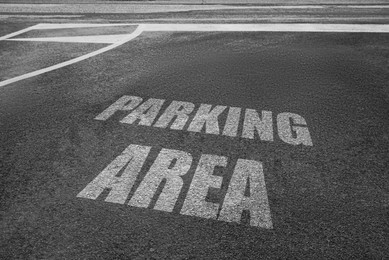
(119, 40)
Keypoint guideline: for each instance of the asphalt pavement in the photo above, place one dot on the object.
(204, 143)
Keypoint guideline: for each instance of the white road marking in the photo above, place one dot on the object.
(300, 19)
(232, 122)
(166, 173)
(159, 171)
(285, 129)
(51, 26)
(256, 203)
(208, 117)
(178, 110)
(146, 112)
(263, 125)
(132, 158)
(5, 37)
(78, 39)
(203, 179)
(129, 37)
(274, 27)
(292, 128)
(125, 103)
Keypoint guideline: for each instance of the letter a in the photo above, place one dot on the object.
(235, 200)
(133, 156)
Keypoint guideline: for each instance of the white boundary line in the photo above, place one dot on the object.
(49, 26)
(131, 36)
(265, 27)
(19, 32)
(350, 28)
(272, 27)
(108, 39)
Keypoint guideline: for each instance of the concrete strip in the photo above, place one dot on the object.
(144, 8)
(207, 2)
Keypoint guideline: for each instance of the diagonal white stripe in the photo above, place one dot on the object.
(129, 37)
(18, 32)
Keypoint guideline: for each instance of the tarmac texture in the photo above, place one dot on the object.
(328, 193)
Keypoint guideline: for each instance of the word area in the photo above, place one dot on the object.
(246, 194)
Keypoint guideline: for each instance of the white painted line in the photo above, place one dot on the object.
(300, 19)
(268, 27)
(78, 39)
(38, 16)
(49, 26)
(17, 33)
(129, 37)
(274, 27)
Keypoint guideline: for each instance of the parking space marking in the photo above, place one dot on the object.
(5, 37)
(345, 28)
(129, 37)
(246, 190)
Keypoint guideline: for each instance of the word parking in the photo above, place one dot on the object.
(244, 196)
(292, 128)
